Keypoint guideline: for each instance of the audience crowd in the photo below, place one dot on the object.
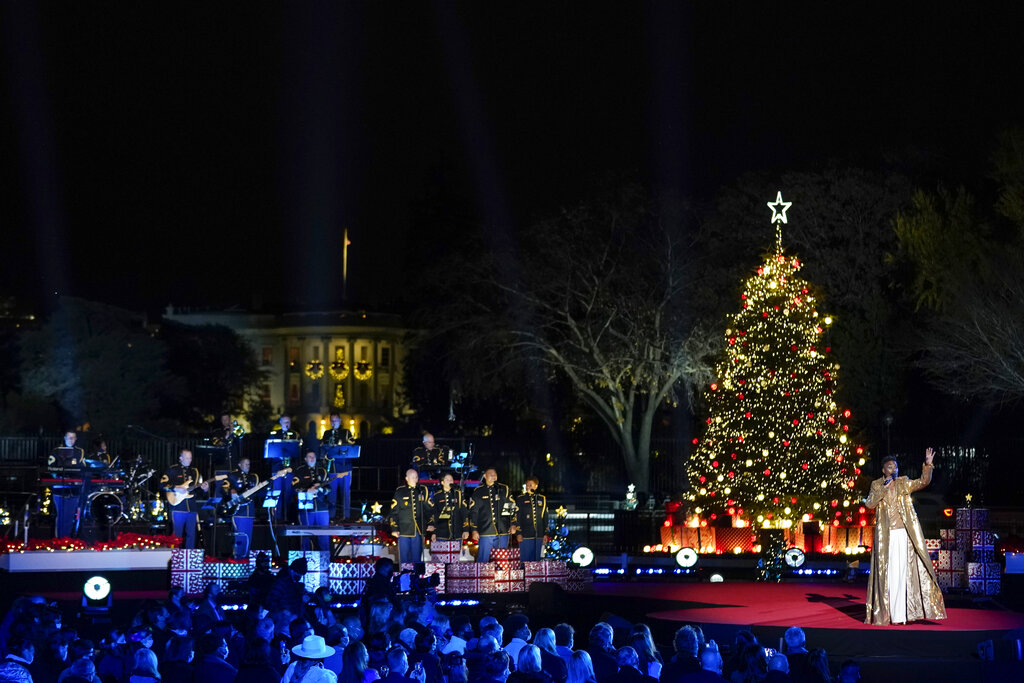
(287, 635)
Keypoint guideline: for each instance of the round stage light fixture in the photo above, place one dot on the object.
(795, 557)
(686, 558)
(583, 556)
(96, 588)
(716, 578)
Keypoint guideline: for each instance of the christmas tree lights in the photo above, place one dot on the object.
(777, 449)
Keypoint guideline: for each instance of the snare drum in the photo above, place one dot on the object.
(105, 507)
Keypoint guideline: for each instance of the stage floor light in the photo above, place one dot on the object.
(686, 557)
(96, 588)
(583, 556)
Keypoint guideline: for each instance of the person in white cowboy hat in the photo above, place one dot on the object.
(309, 665)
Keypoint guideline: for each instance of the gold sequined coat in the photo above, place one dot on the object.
(924, 598)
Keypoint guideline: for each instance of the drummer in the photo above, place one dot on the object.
(99, 456)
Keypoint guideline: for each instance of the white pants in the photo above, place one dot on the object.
(898, 544)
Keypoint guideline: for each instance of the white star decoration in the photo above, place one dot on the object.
(779, 209)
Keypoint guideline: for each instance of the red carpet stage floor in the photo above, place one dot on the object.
(810, 605)
(832, 615)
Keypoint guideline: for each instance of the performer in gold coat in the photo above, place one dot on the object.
(902, 586)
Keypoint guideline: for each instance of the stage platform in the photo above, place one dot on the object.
(832, 615)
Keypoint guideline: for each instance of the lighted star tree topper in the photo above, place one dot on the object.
(777, 448)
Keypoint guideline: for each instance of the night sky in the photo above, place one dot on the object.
(212, 157)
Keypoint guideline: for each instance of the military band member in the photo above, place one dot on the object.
(284, 432)
(408, 517)
(429, 455)
(531, 521)
(99, 456)
(337, 435)
(340, 487)
(67, 501)
(449, 518)
(223, 432)
(238, 482)
(178, 484)
(310, 481)
(490, 515)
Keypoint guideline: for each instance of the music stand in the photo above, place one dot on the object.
(307, 500)
(341, 453)
(281, 449)
(214, 455)
(270, 501)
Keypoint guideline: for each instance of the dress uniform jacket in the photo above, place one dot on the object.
(305, 477)
(410, 511)
(238, 483)
(449, 514)
(176, 476)
(531, 515)
(490, 510)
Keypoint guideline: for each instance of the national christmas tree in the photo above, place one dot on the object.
(777, 449)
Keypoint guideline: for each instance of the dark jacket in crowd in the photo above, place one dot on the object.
(553, 666)
(629, 674)
(176, 672)
(677, 667)
(605, 664)
(256, 673)
(213, 668)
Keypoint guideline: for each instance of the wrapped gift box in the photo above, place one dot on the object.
(982, 586)
(972, 519)
(728, 539)
(949, 578)
(445, 552)
(982, 539)
(317, 567)
(985, 555)
(983, 570)
(187, 570)
(506, 558)
(348, 578)
(950, 559)
(546, 571)
(224, 573)
(509, 581)
(963, 540)
(579, 580)
(947, 539)
(944, 559)
(470, 577)
(933, 544)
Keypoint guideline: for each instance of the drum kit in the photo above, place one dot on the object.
(117, 493)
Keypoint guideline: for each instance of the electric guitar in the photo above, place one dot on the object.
(185, 491)
(317, 487)
(227, 507)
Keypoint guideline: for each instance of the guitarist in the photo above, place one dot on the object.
(182, 479)
(237, 483)
(308, 478)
